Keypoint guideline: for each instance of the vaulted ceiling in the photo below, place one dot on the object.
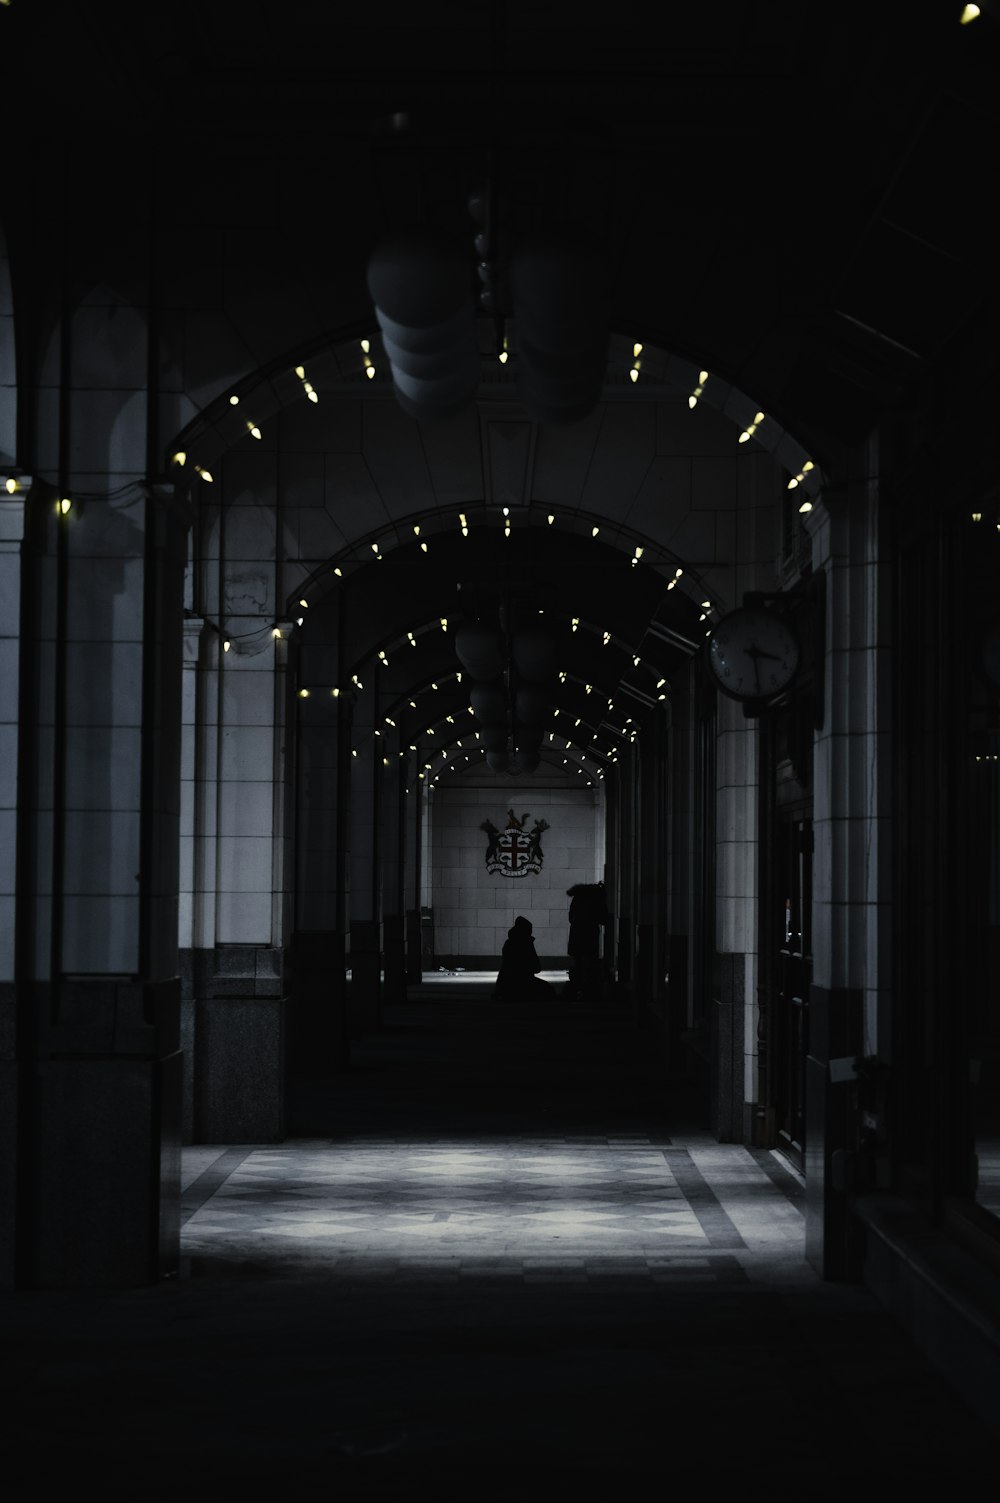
(795, 198)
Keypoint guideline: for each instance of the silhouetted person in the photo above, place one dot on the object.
(518, 979)
(587, 913)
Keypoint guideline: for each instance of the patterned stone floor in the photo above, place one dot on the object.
(545, 1210)
(498, 1257)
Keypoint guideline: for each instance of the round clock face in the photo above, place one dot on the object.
(753, 653)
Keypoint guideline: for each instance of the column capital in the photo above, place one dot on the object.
(12, 515)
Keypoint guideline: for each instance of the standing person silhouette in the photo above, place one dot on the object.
(588, 913)
(518, 980)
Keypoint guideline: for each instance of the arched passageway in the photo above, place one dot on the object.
(232, 540)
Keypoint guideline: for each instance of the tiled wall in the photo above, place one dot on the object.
(472, 909)
(852, 866)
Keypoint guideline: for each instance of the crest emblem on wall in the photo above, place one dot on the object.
(515, 851)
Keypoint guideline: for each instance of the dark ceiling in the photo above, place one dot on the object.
(798, 196)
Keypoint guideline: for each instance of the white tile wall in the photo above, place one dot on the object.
(472, 909)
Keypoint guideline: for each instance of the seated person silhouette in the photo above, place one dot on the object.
(518, 980)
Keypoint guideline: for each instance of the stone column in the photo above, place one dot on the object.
(412, 863)
(240, 1005)
(98, 991)
(851, 872)
(11, 532)
(734, 989)
(393, 863)
(318, 1034)
(652, 865)
(364, 793)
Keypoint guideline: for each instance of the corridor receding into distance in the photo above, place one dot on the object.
(497, 1250)
(550, 1174)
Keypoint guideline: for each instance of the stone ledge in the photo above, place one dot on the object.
(947, 1299)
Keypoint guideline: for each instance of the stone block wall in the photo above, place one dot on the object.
(472, 908)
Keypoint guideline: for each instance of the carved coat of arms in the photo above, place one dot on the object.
(515, 851)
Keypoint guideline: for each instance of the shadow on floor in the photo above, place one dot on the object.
(284, 1382)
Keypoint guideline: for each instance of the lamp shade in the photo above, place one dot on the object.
(453, 386)
(418, 277)
(420, 339)
(558, 285)
(530, 703)
(533, 650)
(480, 649)
(489, 703)
(425, 308)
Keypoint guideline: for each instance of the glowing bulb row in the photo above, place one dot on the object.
(751, 428)
(699, 389)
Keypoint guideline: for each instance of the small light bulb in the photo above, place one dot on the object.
(594, 531)
(370, 372)
(503, 357)
(806, 506)
(300, 371)
(253, 430)
(234, 401)
(11, 485)
(303, 693)
(550, 519)
(633, 374)
(423, 548)
(226, 645)
(637, 349)
(277, 632)
(205, 475)
(365, 345)
(65, 504)
(977, 516)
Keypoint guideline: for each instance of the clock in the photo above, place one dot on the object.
(752, 653)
